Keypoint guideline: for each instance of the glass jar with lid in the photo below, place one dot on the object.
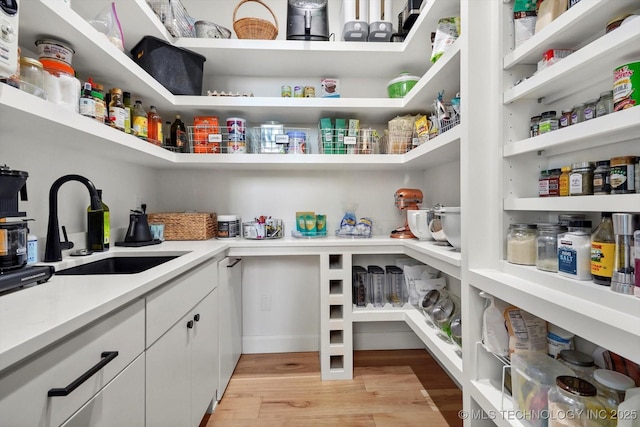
(563, 181)
(622, 174)
(521, 244)
(565, 218)
(32, 77)
(543, 183)
(554, 182)
(61, 85)
(533, 126)
(573, 403)
(577, 114)
(581, 179)
(547, 246)
(611, 386)
(604, 105)
(565, 118)
(590, 109)
(601, 183)
(581, 363)
(548, 122)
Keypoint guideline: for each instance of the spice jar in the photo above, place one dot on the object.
(543, 183)
(622, 175)
(547, 246)
(554, 182)
(573, 402)
(577, 114)
(581, 179)
(534, 126)
(601, 178)
(590, 109)
(563, 181)
(574, 251)
(548, 122)
(605, 103)
(521, 244)
(565, 118)
(61, 85)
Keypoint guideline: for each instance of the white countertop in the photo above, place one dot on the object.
(37, 316)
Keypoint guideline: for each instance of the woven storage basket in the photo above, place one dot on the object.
(255, 28)
(186, 225)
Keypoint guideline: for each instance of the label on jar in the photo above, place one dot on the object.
(140, 126)
(543, 187)
(601, 183)
(619, 178)
(589, 113)
(87, 107)
(602, 255)
(575, 183)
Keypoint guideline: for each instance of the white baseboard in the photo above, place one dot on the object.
(386, 341)
(279, 344)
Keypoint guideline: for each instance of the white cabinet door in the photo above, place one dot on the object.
(230, 315)
(204, 356)
(168, 375)
(120, 403)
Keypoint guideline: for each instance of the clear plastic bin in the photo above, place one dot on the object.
(359, 286)
(376, 285)
(396, 291)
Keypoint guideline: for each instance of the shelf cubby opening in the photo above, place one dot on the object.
(335, 287)
(336, 312)
(336, 362)
(335, 262)
(336, 337)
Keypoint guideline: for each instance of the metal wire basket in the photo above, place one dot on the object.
(204, 139)
(275, 138)
(345, 141)
(174, 17)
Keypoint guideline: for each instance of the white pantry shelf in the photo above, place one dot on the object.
(570, 30)
(599, 203)
(498, 407)
(578, 71)
(610, 129)
(594, 312)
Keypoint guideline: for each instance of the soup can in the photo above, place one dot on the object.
(626, 86)
(309, 92)
(298, 92)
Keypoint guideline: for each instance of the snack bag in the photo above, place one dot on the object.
(108, 24)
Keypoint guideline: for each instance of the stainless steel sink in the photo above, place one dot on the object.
(117, 265)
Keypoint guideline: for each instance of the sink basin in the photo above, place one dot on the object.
(117, 265)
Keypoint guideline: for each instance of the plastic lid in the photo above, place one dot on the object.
(59, 66)
(613, 379)
(228, 218)
(576, 358)
(6, 171)
(584, 223)
(582, 165)
(603, 163)
(575, 385)
(523, 226)
(548, 114)
(403, 77)
(566, 169)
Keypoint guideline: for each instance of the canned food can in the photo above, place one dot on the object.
(626, 86)
(297, 142)
(309, 92)
(298, 92)
(285, 91)
(236, 128)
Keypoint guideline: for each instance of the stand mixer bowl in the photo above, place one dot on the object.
(418, 221)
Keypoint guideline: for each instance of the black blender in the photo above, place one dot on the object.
(14, 271)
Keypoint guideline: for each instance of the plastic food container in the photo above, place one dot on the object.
(55, 49)
(61, 85)
(401, 85)
(533, 374)
(228, 226)
(32, 77)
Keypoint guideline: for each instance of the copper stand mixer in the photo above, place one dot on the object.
(406, 199)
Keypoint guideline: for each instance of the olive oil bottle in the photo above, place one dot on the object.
(98, 227)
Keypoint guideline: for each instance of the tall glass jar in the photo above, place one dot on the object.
(547, 246)
(605, 103)
(590, 109)
(521, 244)
(581, 363)
(577, 115)
(581, 179)
(601, 184)
(573, 403)
(611, 387)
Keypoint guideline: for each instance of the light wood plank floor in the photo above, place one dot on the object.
(389, 389)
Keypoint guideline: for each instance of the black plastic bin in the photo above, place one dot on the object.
(177, 69)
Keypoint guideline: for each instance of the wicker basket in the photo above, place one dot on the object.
(255, 28)
(186, 225)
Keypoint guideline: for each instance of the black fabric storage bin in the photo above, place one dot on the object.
(177, 69)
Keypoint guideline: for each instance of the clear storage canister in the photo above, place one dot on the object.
(395, 286)
(605, 104)
(612, 387)
(590, 109)
(376, 285)
(61, 85)
(581, 363)
(359, 286)
(521, 244)
(573, 403)
(581, 179)
(547, 246)
(32, 77)
(577, 115)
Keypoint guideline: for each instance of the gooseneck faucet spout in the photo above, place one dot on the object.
(53, 250)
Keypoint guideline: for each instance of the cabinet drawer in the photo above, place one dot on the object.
(120, 403)
(168, 304)
(24, 399)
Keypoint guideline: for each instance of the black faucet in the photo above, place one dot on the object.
(53, 250)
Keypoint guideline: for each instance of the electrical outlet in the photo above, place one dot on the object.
(265, 304)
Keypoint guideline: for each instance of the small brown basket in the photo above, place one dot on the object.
(255, 28)
(186, 225)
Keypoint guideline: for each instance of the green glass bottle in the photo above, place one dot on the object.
(98, 227)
